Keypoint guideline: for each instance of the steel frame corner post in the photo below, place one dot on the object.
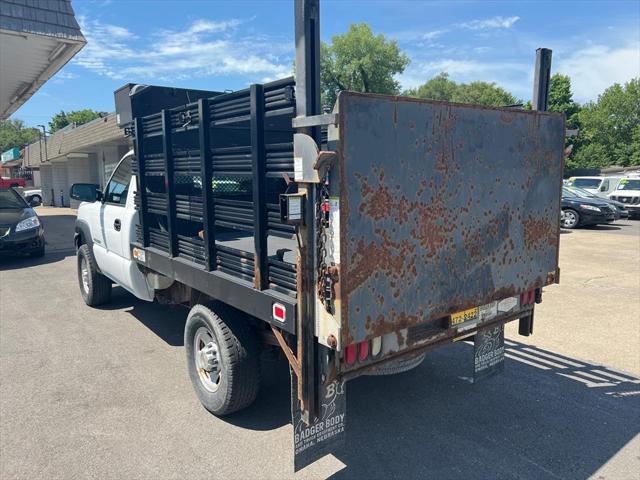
(167, 151)
(260, 227)
(541, 79)
(307, 37)
(142, 180)
(539, 102)
(206, 173)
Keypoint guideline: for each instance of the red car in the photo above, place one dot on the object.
(12, 182)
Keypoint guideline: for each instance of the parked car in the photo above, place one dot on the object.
(628, 193)
(33, 196)
(580, 212)
(597, 185)
(20, 227)
(621, 211)
(6, 182)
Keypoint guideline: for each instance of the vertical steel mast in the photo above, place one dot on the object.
(307, 37)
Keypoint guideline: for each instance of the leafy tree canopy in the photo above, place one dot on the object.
(13, 134)
(360, 61)
(610, 128)
(62, 119)
(561, 99)
(441, 87)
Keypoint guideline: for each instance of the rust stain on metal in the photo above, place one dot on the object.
(443, 217)
(538, 231)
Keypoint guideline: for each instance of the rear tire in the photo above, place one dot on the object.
(94, 287)
(223, 354)
(571, 219)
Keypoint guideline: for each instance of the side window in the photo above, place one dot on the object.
(605, 186)
(118, 186)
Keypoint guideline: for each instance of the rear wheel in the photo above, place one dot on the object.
(222, 358)
(94, 287)
(570, 219)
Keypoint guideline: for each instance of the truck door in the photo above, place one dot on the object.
(118, 219)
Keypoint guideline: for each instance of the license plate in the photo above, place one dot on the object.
(465, 316)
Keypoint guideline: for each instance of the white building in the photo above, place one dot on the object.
(85, 153)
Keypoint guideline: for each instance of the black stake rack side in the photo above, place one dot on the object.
(226, 240)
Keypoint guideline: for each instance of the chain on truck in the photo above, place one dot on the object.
(351, 241)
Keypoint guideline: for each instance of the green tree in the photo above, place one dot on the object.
(360, 61)
(62, 119)
(13, 133)
(561, 99)
(610, 127)
(483, 93)
(441, 87)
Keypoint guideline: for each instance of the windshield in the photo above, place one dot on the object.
(566, 192)
(580, 192)
(586, 182)
(10, 200)
(629, 184)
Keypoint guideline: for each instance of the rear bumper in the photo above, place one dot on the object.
(424, 337)
(22, 242)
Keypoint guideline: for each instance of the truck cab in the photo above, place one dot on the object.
(106, 225)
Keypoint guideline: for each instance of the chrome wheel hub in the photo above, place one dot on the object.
(84, 274)
(207, 359)
(569, 219)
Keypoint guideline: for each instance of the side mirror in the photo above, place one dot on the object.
(84, 192)
(34, 202)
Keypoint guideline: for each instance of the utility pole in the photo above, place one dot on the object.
(44, 135)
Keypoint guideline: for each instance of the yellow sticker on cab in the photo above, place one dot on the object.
(465, 316)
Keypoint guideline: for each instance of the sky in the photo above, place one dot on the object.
(227, 45)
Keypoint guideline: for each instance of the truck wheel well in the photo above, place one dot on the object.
(80, 240)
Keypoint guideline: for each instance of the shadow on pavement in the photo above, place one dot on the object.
(166, 321)
(547, 416)
(23, 261)
(602, 227)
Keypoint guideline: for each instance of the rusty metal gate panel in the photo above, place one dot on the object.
(443, 207)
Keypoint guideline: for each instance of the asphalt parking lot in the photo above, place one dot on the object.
(104, 393)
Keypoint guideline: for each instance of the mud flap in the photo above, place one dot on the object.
(488, 352)
(326, 433)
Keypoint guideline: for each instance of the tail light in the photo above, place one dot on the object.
(350, 354)
(527, 298)
(363, 350)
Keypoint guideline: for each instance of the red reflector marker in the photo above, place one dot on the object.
(350, 354)
(279, 312)
(363, 350)
(532, 296)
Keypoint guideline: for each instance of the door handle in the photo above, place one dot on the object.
(117, 224)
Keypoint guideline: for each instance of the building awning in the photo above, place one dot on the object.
(37, 38)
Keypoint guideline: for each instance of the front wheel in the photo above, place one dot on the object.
(570, 219)
(94, 287)
(222, 358)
